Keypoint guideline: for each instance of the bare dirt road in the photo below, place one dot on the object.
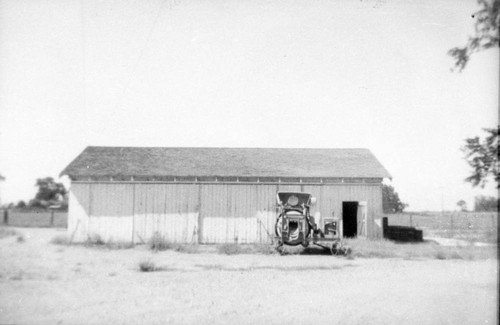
(43, 283)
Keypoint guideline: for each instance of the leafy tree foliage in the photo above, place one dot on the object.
(462, 205)
(482, 156)
(485, 204)
(49, 193)
(486, 33)
(390, 200)
(21, 205)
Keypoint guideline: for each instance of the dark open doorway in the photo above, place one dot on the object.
(349, 219)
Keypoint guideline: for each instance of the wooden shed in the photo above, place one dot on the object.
(216, 195)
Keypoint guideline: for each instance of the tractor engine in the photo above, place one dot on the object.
(294, 223)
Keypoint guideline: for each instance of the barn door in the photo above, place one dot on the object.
(349, 219)
(362, 219)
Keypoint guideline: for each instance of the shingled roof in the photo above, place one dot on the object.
(260, 162)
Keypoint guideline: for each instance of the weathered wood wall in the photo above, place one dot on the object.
(204, 213)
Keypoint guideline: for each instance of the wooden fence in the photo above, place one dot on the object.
(38, 218)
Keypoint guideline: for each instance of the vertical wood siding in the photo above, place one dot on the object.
(79, 211)
(111, 211)
(205, 213)
(169, 210)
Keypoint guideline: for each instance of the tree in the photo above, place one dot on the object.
(462, 205)
(482, 155)
(485, 204)
(21, 204)
(486, 33)
(390, 200)
(49, 193)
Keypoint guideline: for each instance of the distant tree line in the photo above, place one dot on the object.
(50, 194)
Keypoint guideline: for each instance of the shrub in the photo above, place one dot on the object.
(20, 239)
(94, 240)
(149, 266)
(97, 241)
(159, 243)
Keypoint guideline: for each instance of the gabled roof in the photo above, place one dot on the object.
(277, 162)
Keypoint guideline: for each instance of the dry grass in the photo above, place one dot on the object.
(147, 266)
(467, 226)
(219, 267)
(92, 241)
(60, 240)
(150, 266)
(230, 249)
(235, 249)
(159, 243)
(7, 232)
(382, 248)
(360, 248)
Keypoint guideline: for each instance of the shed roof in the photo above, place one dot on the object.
(262, 162)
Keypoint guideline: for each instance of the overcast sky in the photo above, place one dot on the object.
(306, 74)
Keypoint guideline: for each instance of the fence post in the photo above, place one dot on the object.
(411, 220)
(51, 217)
(6, 216)
(451, 224)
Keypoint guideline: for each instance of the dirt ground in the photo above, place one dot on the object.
(43, 283)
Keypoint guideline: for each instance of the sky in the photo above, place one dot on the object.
(261, 73)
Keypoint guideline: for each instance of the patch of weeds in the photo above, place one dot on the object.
(52, 277)
(94, 240)
(7, 232)
(382, 248)
(464, 253)
(218, 267)
(159, 243)
(17, 277)
(455, 255)
(189, 249)
(235, 249)
(21, 239)
(60, 240)
(119, 245)
(150, 266)
(97, 241)
(440, 255)
(350, 257)
(264, 249)
(230, 249)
